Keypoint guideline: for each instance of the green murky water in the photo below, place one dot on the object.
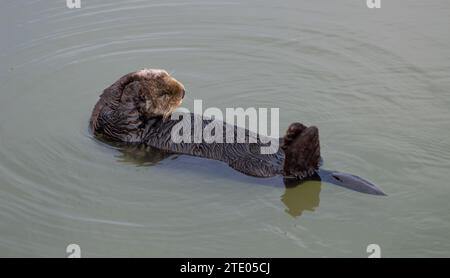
(375, 81)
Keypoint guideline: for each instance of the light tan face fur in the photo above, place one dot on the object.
(159, 94)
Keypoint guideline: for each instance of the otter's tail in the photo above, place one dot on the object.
(302, 151)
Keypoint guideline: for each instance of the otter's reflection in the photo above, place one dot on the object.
(141, 155)
(298, 195)
(301, 197)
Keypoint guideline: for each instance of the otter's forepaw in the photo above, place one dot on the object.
(302, 151)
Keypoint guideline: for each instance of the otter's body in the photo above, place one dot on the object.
(135, 110)
(244, 157)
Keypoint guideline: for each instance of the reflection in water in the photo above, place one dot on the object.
(298, 196)
(141, 155)
(304, 196)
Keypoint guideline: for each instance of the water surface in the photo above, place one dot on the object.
(375, 81)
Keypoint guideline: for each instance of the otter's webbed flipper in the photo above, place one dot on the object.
(350, 181)
(302, 151)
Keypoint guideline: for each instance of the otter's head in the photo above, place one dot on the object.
(125, 106)
(154, 93)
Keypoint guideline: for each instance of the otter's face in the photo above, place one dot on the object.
(159, 94)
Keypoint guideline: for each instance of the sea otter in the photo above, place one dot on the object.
(136, 110)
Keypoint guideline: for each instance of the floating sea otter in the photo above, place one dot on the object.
(135, 110)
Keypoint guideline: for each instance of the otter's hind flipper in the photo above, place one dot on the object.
(350, 181)
(302, 151)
